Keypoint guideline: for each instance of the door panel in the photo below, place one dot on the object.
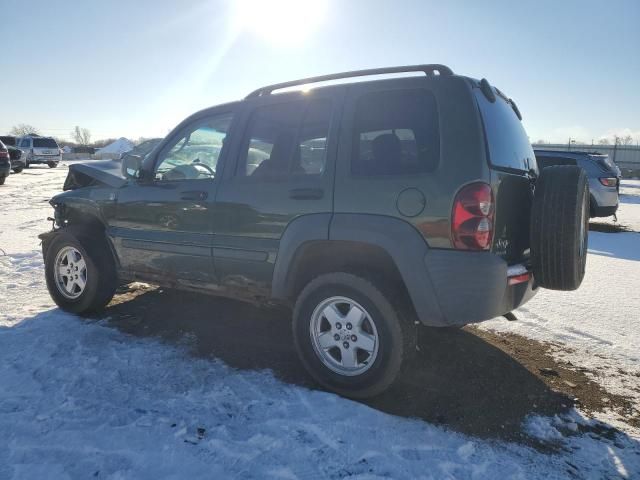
(163, 223)
(282, 170)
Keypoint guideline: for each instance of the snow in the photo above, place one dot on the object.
(81, 399)
(121, 145)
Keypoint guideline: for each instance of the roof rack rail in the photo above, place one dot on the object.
(430, 69)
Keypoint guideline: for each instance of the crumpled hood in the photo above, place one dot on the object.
(100, 172)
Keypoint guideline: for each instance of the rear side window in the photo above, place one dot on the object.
(395, 133)
(508, 144)
(44, 143)
(545, 161)
(25, 143)
(286, 139)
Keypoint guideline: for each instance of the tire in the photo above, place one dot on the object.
(52, 164)
(371, 377)
(2, 179)
(18, 169)
(101, 278)
(560, 227)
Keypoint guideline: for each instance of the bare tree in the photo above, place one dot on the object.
(541, 142)
(603, 141)
(23, 129)
(82, 136)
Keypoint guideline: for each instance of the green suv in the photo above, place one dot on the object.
(369, 208)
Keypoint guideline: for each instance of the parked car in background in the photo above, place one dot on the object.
(5, 163)
(604, 177)
(366, 207)
(43, 150)
(15, 154)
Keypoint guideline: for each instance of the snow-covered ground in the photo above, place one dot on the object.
(81, 399)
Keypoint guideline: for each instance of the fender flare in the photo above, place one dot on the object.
(376, 230)
(306, 228)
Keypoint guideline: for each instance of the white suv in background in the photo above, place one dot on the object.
(37, 149)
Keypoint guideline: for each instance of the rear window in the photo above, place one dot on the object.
(44, 143)
(508, 144)
(548, 161)
(396, 133)
(8, 141)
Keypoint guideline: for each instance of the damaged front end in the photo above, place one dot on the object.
(101, 172)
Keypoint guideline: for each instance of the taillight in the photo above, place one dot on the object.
(608, 182)
(4, 154)
(472, 217)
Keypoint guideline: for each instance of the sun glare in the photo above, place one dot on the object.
(281, 22)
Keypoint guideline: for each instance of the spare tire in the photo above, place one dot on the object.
(560, 227)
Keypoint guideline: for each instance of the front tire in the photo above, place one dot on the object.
(18, 169)
(52, 164)
(80, 272)
(348, 335)
(2, 179)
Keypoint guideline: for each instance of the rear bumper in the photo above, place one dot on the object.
(5, 169)
(44, 160)
(471, 287)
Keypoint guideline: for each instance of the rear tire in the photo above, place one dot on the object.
(560, 227)
(52, 164)
(18, 169)
(100, 279)
(361, 360)
(2, 179)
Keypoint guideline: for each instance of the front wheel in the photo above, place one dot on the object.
(52, 164)
(17, 169)
(80, 272)
(2, 179)
(348, 335)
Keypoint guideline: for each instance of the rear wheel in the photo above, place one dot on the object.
(18, 169)
(348, 335)
(2, 179)
(560, 227)
(52, 164)
(80, 272)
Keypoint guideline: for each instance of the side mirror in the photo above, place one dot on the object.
(131, 166)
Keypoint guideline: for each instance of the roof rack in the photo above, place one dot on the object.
(429, 70)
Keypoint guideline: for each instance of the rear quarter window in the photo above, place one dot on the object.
(507, 142)
(395, 133)
(548, 161)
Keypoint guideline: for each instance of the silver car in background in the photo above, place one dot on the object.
(604, 176)
(37, 149)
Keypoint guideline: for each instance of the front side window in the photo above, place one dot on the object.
(286, 139)
(395, 133)
(25, 143)
(195, 154)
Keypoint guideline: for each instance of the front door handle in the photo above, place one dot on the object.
(194, 195)
(306, 193)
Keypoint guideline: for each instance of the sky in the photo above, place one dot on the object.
(137, 68)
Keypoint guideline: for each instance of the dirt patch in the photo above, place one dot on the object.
(475, 382)
(563, 377)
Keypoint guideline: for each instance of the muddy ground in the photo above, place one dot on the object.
(469, 380)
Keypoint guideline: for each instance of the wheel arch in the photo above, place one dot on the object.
(363, 244)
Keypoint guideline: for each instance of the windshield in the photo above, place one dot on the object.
(508, 143)
(8, 141)
(44, 143)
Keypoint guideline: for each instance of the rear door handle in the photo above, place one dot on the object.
(194, 195)
(306, 193)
